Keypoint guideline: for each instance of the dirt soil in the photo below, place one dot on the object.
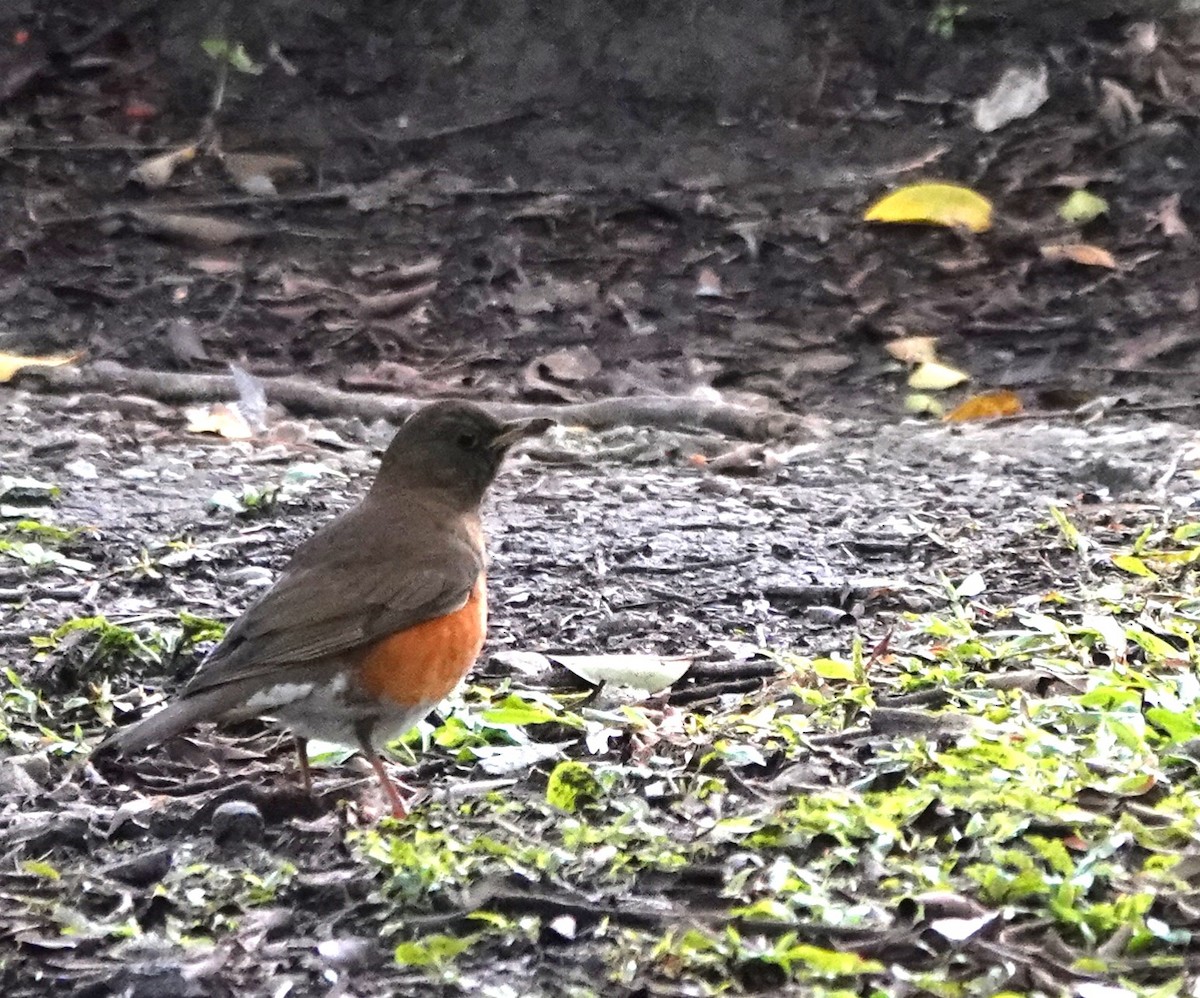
(546, 251)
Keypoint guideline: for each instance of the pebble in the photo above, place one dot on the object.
(81, 467)
(237, 821)
(347, 952)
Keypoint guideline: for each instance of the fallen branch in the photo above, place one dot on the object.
(866, 941)
(301, 396)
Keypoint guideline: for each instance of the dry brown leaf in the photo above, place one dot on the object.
(913, 349)
(215, 265)
(1081, 253)
(391, 302)
(988, 405)
(385, 374)
(570, 364)
(203, 229)
(1167, 218)
(221, 418)
(11, 363)
(256, 173)
(157, 171)
(1119, 110)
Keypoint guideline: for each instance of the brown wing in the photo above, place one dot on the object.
(334, 597)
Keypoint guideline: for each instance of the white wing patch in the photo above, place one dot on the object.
(284, 694)
(279, 695)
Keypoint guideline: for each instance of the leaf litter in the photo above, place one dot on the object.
(701, 853)
(781, 815)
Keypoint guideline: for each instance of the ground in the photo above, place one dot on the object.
(938, 731)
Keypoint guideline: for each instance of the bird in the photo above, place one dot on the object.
(376, 618)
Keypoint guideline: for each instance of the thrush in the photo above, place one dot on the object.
(377, 617)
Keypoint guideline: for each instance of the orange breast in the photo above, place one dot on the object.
(423, 664)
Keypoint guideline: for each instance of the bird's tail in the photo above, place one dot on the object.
(205, 705)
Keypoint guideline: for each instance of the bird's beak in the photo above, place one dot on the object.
(520, 430)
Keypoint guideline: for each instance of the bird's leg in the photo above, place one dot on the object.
(302, 761)
(399, 805)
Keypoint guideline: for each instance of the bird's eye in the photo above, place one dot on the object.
(467, 441)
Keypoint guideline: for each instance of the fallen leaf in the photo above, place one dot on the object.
(1082, 207)
(747, 458)
(220, 418)
(256, 173)
(1134, 566)
(920, 404)
(390, 302)
(157, 171)
(988, 405)
(935, 377)
(11, 363)
(1119, 110)
(140, 110)
(1141, 39)
(934, 204)
(203, 229)
(958, 930)
(1167, 218)
(527, 663)
(570, 364)
(389, 375)
(1019, 92)
(970, 587)
(503, 760)
(708, 284)
(651, 673)
(215, 266)
(913, 349)
(1093, 989)
(1081, 253)
(234, 54)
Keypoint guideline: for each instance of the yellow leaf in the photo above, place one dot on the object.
(913, 349)
(934, 204)
(935, 377)
(11, 363)
(989, 405)
(219, 418)
(920, 404)
(1082, 207)
(1133, 565)
(1082, 253)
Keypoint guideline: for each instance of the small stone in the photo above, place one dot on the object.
(347, 952)
(143, 869)
(237, 821)
(35, 764)
(81, 467)
(249, 575)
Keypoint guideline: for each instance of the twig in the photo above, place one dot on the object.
(1171, 470)
(433, 134)
(335, 195)
(704, 692)
(666, 412)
